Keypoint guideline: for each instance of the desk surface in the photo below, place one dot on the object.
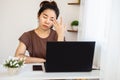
(27, 73)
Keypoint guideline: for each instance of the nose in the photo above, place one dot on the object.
(47, 21)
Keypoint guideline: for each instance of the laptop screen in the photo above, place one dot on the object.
(69, 56)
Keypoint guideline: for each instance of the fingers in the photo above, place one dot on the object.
(56, 23)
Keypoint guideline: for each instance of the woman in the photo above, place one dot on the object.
(34, 41)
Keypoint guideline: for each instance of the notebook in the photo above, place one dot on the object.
(69, 56)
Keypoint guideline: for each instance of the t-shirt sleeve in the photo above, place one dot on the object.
(25, 38)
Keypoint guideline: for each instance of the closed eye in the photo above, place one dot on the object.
(45, 16)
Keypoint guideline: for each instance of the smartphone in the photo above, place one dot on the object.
(37, 67)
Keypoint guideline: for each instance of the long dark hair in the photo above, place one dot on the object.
(48, 5)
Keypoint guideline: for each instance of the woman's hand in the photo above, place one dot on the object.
(60, 29)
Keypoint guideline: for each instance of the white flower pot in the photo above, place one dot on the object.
(75, 28)
(13, 71)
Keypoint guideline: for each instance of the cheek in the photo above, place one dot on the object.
(41, 19)
(51, 24)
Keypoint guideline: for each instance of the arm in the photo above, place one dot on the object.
(60, 29)
(20, 52)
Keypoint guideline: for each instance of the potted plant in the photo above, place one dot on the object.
(74, 24)
(13, 64)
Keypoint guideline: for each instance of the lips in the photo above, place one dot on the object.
(45, 26)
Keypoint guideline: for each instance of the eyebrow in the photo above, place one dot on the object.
(47, 15)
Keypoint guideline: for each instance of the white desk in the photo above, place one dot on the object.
(26, 73)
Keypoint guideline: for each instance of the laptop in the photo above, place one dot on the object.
(69, 56)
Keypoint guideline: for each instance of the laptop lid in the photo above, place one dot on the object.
(69, 56)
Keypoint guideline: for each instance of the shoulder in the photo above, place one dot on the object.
(26, 37)
(28, 33)
(53, 34)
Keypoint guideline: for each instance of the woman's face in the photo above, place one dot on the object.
(46, 19)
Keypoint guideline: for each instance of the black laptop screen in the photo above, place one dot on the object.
(69, 56)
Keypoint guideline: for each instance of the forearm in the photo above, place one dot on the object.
(60, 38)
(34, 60)
(29, 59)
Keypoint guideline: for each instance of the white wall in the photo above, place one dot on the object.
(18, 16)
(101, 22)
(110, 63)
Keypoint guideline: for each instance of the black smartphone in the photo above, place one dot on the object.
(37, 67)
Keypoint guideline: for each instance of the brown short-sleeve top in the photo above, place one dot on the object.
(35, 45)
